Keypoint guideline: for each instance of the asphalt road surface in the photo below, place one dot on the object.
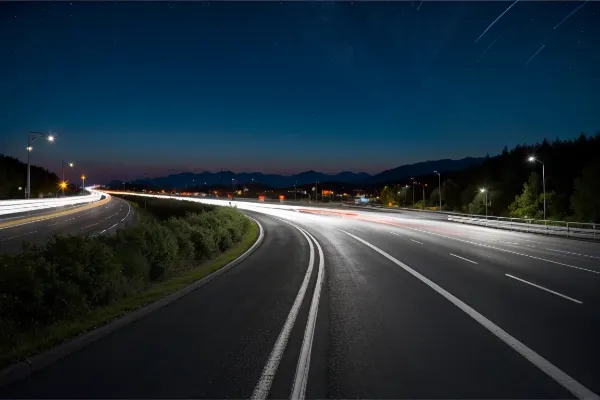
(348, 304)
(102, 219)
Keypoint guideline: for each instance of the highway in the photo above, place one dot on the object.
(101, 219)
(348, 304)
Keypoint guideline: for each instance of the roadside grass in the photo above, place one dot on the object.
(30, 344)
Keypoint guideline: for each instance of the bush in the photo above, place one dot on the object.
(71, 275)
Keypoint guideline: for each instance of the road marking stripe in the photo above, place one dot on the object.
(397, 234)
(498, 248)
(90, 225)
(577, 254)
(543, 288)
(416, 241)
(546, 366)
(15, 237)
(528, 245)
(261, 391)
(302, 369)
(462, 258)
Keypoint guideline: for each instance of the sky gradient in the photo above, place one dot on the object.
(135, 88)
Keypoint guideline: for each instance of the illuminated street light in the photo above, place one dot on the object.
(30, 139)
(82, 182)
(62, 165)
(533, 159)
(482, 190)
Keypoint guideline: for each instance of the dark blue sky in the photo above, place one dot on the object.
(161, 87)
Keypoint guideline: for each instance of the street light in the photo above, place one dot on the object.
(533, 159)
(82, 183)
(439, 187)
(62, 165)
(413, 188)
(30, 139)
(482, 190)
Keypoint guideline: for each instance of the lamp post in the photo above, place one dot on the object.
(62, 165)
(423, 186)
(439, 187)
(413, 188)
(82, 183)
(232, 189)
(30, 139)
(482, 190)
(316, 191)
(295, 191)
(533, 159)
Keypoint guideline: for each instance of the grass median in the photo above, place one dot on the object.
(71, 285)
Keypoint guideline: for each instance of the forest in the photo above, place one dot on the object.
(13, 178)
(513, 186)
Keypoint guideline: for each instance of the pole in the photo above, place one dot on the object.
(423, 206)
(413, 203)
(27, 191)
(544, 186)
(316, 191)
(486, 204)
(440, 189)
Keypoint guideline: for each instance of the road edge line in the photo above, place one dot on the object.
(303, 367)
(267, 375)
(25, 368)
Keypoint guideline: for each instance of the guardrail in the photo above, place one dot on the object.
(553, 228)
(10, 207)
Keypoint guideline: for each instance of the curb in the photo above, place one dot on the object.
(25, 368)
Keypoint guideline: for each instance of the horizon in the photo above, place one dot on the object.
(159, 88)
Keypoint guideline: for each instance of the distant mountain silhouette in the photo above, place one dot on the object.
(190, 179)
(424, 168)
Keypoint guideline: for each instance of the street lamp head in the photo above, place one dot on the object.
(531, 158)
(71, 164)
(482, 190)
(82, 176)
(50, 138)
(29, 148)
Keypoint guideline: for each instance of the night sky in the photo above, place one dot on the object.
(156, 87)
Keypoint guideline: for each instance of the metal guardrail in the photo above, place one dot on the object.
(553, 228)
(10, 207)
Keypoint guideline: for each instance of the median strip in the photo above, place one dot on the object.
(187, 252)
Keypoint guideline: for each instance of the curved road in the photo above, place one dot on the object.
(100, 219)
(347, 304)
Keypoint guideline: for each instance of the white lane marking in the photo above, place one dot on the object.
(498, 248)
(577, 254)
(15, 237)
(90, 225)
(128, 211)
(56, 223)
(546, 366)
(543, 288)
(108, 229)
(111, 216)
(261, 391)
(528, 245)
(462, 258)
(416, 241)
(302, 369)
(397, 234)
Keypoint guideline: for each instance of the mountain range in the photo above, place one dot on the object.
(188, 179)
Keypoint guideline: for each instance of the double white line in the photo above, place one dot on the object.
(261, 391)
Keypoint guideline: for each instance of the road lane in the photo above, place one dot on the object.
(107, 217)
(562, 331)
(212, 343)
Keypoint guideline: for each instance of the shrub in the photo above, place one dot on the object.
(71, 275)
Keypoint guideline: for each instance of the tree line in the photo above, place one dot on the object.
(513, 185)
(13, 179)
